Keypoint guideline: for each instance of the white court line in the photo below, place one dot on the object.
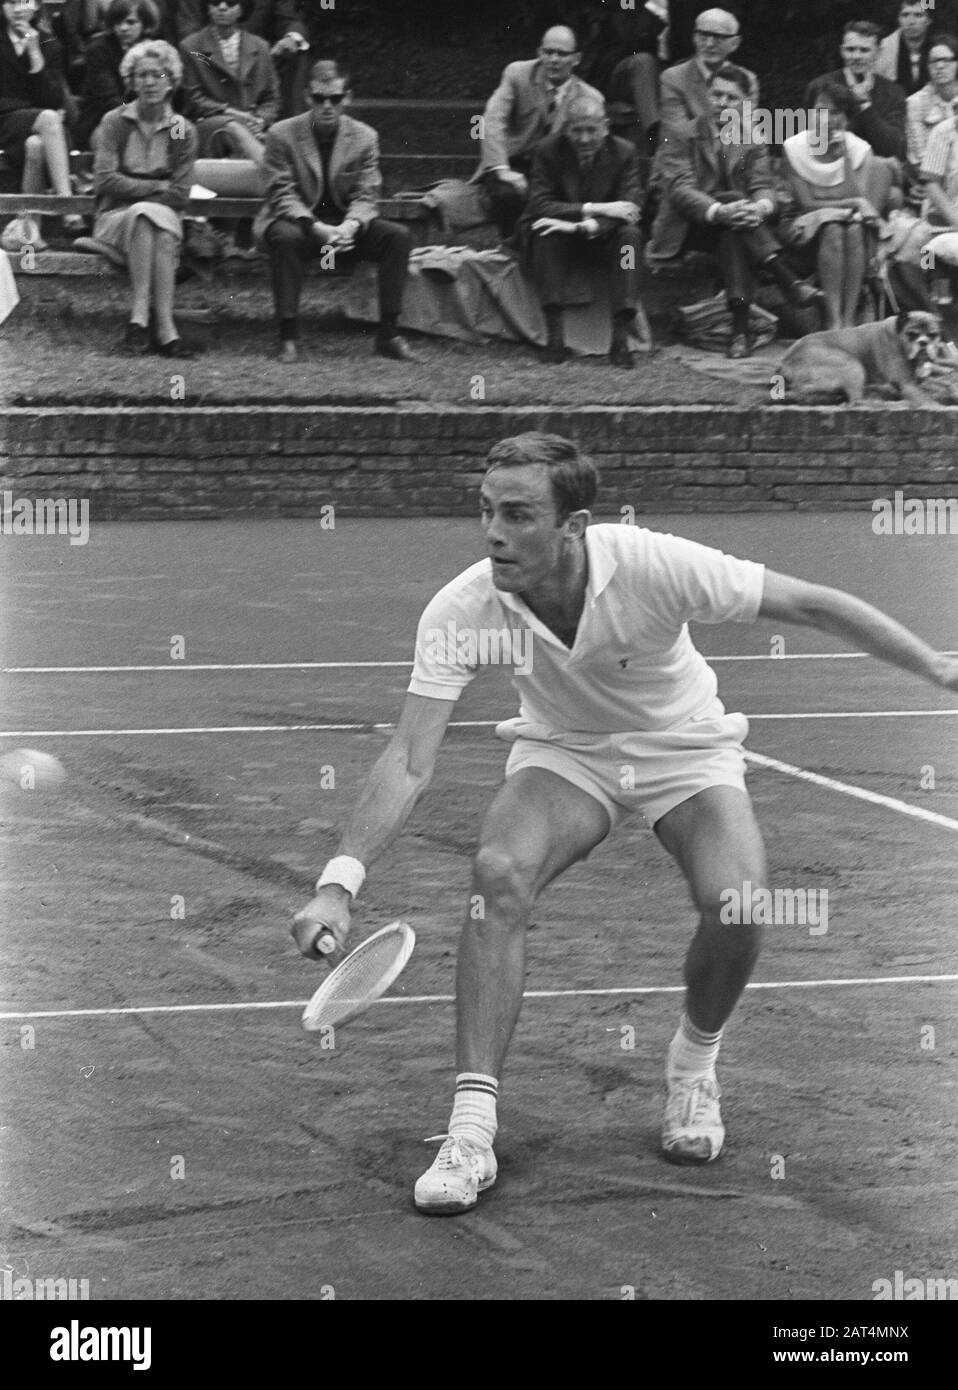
(891, 803)
(450, 998)
(359, 665)
(455, 724)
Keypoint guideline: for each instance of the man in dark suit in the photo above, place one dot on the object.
(903, 55)
(290, 27)
(322, 183)
(583, 209)
(622, 60)
(719, 195)
(881, 103)
(529, 104)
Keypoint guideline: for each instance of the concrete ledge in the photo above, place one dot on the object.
(179, 461)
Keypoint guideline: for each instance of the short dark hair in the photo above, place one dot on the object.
(863, 27)
(836, 94)
(945, 39)
(573, 477)
(143, 10)
(328, 70)
(730, 72)
(246, 7)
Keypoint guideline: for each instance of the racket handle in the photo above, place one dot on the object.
(325, 943)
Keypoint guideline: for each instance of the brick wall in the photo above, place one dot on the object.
(183, 462)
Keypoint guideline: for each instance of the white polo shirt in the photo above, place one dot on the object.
(632, 666)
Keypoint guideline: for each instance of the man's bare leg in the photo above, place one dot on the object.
(537, 825)
(716, 842)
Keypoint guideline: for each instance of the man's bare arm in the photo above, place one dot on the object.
(856, 622)
(398, 779)
(394, 786)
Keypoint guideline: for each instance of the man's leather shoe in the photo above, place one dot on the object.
(396, 347)
(555, 353)
(805, 296)
(288, 351)
(739, 346)
(622, 355)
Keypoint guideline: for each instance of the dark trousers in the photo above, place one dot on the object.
(736, 252)
(290, 247)
(505, 201)
(554, 256)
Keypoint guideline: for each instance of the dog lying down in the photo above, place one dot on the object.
(900, 351)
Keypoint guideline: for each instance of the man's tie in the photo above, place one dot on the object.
(551, 108)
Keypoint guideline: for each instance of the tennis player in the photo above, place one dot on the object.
(618, 714)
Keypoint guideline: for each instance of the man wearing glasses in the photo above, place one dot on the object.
(530, 103)
(322, 185)
(685, 87)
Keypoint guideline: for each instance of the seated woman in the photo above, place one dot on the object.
(934, 102)
(32, 96)
(127, 23)
(841, 190)
(142, 169)
(939, 173)
(230, 84)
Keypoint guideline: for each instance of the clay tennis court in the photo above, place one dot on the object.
(170, 1132)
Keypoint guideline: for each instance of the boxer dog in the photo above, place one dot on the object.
(900, 351)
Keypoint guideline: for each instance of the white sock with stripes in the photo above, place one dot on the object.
(692, 1053)
(474, 1108)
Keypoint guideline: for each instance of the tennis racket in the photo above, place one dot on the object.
(360, 979)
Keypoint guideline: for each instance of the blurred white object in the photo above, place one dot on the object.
(32, 770)
(9, 294)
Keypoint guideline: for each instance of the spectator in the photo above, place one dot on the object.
(622, 61)
(939, 170)
(719, 197)
(180, 18)
(142, 169)
(841, 189)
(583, 208)
(72, 23)
(230, 84)
(684, 87)
(529, 104)
(323, 181)
(936, 101)
(289, 26)
(878, 116)
(128, 22)
(32, 133)
(903, 56)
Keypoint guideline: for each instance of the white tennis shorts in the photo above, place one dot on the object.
(647, 772)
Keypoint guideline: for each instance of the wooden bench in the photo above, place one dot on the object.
(413, 212)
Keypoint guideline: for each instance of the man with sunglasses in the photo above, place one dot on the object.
(530, 103)
(322, 185)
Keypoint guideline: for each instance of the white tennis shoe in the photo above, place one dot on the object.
(693, 1131)
(462, 1169)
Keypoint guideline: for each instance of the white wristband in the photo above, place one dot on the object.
(345, 871)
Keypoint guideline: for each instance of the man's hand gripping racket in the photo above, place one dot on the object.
(320, 929)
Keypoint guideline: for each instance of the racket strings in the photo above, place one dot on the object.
(361, 978)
